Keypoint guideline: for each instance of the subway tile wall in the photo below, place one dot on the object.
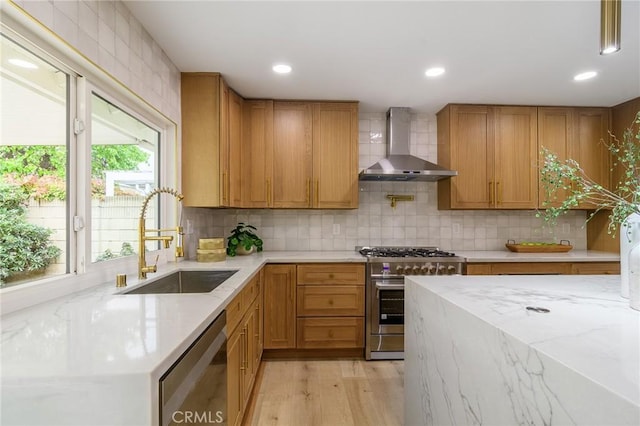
(105, 32)
(375, 223)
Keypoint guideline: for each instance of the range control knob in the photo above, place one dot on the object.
(431, 269)
(415, 270)
(451, 270)
(424, 270)
(407, 270)
(441, 270)
(399, 270)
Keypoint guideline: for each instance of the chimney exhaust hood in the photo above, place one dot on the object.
(399, 165)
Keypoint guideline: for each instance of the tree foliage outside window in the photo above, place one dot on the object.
(24, 247)
(40, 169)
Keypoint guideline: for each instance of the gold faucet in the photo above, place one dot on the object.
(143, 268)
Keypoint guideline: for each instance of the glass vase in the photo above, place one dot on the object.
(629, 238)
(634, 277)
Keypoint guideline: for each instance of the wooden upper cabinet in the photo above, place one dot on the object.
(515, 183)
(232, 195)
(590, 146)
(257, 154)
(203, 100)
(335, 155)
(580, 134)
(555, 133)
(494, 151)
(292, 154)
(465, 133)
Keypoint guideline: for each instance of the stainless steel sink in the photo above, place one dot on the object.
(185, 282)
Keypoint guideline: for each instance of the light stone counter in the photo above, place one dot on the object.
(508, 256)
(475, 355)
(95, 357)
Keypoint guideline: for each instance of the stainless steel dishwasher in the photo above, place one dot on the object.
(194, 390)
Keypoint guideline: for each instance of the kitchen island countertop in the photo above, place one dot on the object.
(476, 355)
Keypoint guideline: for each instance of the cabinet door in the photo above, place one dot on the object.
(232, 174)
(555, 132)
(201, 136)
(292, 154)
(257, 153)
(335, 155)
(279, 306)
(590, 146)
(515, 161)
(225, 144)
(259, 303)
(235, 351)
(470, 136)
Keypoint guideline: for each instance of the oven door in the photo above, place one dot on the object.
(387, 306)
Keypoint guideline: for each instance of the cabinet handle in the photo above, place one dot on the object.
(268, 192)
(244, 349)
(317, 196)
(225, 188)
(490, 193)
(308, 199)
(499, 192)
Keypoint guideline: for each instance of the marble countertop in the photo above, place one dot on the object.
(589, 329)
(508, 256)
(98, 349)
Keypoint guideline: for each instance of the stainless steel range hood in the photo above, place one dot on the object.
(399, 164)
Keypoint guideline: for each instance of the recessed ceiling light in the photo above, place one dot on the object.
(282, 68)
(585, 75)
(23, 64)
(610, 49)
(434, 72)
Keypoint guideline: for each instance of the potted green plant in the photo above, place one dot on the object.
(623, 202)
(243, 240)
(25, 248)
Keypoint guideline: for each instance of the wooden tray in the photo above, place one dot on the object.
(563, 247)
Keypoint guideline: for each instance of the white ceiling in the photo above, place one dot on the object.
(504, 52)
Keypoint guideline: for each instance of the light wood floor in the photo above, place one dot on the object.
(328, 393)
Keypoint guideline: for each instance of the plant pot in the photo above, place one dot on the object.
(629, 238)
(242, 251)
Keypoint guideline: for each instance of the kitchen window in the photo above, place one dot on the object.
(34, 166)
(78, 154)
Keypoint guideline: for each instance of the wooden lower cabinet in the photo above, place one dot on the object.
(314, 306)
(244, 348)
(279, 306)
(543, 268)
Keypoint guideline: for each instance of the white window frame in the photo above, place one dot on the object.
(85, 78)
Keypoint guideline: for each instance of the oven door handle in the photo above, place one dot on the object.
(383, 286)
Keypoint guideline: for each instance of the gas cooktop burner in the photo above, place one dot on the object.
(404, 252)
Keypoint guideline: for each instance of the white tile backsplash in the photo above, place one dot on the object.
(106, 33)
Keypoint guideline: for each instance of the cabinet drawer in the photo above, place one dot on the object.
(250, 291)
(319, 333)
(242, 302)
(331, 273)
(331, 301)
(531, 268)
(596, 268)
(235, 311)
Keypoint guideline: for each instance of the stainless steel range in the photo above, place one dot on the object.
(385, 271)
